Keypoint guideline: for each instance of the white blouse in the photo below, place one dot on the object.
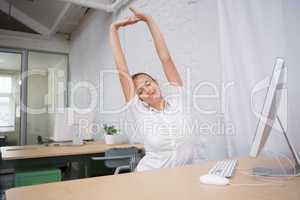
(166, 134)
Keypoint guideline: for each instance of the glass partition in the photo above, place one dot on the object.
(46, 94)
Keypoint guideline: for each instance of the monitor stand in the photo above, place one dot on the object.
(294, 171)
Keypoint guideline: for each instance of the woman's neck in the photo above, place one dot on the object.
(160, 104)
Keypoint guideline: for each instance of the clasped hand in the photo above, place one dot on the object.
(137, 16)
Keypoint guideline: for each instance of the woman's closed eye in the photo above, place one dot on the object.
(147, 83)
(141, 89)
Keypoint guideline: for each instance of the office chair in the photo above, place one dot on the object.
(3, 141)
(121, 159)
(45, 141)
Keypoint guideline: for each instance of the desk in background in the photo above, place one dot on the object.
(42, 151)
(181, 183)
(39, 156)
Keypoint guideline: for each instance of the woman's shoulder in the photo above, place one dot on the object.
(136, 106)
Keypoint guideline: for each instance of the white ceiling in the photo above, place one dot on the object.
(43, 11)
(46, 17)
(49, 17)
(72, 19)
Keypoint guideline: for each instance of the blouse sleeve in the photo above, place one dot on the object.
(131, 121)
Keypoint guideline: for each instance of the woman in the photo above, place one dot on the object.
(162, 121)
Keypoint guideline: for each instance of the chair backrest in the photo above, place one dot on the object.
(131, 151)
(2, 140)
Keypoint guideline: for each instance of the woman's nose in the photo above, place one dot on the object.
(147, 90)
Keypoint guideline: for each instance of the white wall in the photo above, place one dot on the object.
(293, 49)
(191, 31)
(90, 53)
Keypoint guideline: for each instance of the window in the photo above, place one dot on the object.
(7, 104)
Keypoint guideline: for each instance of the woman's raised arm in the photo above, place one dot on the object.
(119, 57)
(161, 49)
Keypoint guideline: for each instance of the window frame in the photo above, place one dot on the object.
(24, 52)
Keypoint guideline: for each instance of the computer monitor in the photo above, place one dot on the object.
(266, 122)
(62, 127)
(67, 121)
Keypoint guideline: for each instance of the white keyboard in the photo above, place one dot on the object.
(224, 168)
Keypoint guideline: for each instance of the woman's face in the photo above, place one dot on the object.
(147, 89)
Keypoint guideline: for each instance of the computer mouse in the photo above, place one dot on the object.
(211, 179)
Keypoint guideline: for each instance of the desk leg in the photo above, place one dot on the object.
(86, 174)
(83, 169)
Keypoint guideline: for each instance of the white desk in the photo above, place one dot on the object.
(180, 183)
